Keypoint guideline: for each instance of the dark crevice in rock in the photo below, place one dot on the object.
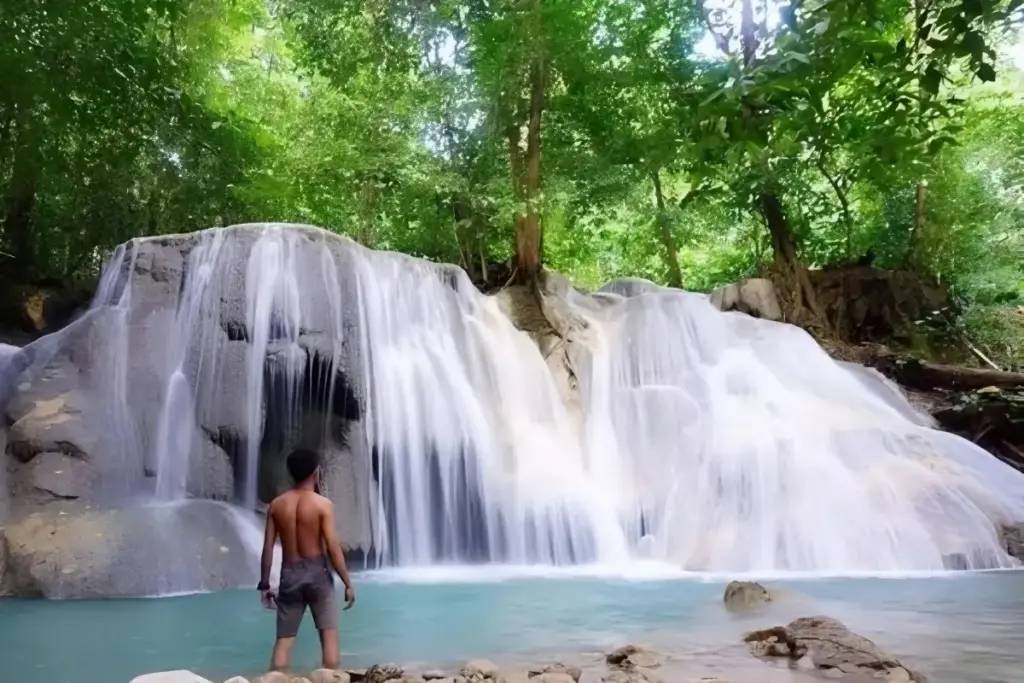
(236, 331)
(312, 407)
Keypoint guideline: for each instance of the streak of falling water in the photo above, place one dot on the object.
(112, 380)
(177, 430)
(273, 313)
(478, 458)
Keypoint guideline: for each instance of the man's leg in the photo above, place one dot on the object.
(325, 616)
(330, 656)
(289, 617)
(281, 659)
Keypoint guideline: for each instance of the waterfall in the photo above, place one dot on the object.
(741, 446)
(709, 440)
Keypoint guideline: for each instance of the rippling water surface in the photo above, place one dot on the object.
(956, 628)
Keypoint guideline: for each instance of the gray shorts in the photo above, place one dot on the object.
(305, 583)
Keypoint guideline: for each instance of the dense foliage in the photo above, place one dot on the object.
(692, 143)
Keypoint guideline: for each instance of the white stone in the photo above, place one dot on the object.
(180, 676)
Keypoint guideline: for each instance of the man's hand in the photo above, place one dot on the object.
(350, 597)
(268, 599)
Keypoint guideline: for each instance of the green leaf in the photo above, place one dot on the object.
(986, 72)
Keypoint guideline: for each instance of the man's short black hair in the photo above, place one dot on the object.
(302, 463)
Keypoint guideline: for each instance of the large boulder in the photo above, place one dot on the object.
(153, 391)
(864, 303)
(827, 645)
(53, 424)
(101, 553)
(755, 297)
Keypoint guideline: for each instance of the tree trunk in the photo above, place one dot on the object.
(916, 374)
(911, 258)
(528, 231)
(794, 286)
(748, 33)
(675, 273)
(515, 160)
(368, 211)
(844, 203)
(21, 201)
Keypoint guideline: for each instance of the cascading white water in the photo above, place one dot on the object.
(741, 446)
(479, 460)
(712, 441)
(188, 349)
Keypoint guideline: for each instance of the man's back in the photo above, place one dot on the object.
(299, 516)
(304, 521)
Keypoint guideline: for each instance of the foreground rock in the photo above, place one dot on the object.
(826, 644)
(547, 673)
(745, 595)
(627, 664)
(480, 669)
(181, 676)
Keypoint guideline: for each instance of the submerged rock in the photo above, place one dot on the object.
(745, 595)
(831, 648)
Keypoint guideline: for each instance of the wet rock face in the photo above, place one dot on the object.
(81, 410)
(1013, 540)
(825, 644)
(745, 595)
(84, 553)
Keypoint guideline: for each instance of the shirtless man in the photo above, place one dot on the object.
(305, 522)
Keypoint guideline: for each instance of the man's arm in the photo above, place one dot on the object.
(337, 557)
(267, 559)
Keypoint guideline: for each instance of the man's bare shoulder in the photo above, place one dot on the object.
(277, 503)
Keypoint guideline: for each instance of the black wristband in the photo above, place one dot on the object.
(263, 586)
